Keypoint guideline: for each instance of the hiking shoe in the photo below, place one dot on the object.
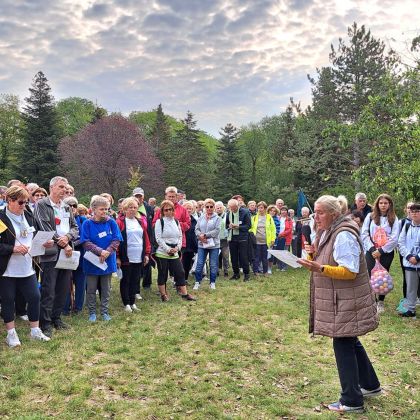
(341, 408)
(196, 285)
(380, 307)
(188, 297)
(164, 298)
(226, 274)
(37, 334)
(12, 339)
(134, 307)
(213, 286)
(60, 325)
(92, 318)
(371, 393)
(246, 277)
(106, 317)
(47, 330)
(138, 296)
(127, 308)
(409, 314)
(235, 277)
(402, 306)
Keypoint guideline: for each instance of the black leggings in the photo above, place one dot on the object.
(385, 260)
(28, 286)
(129, 283)
(173, 264)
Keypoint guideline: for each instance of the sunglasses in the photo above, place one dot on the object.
(168, 209)
(209, 207)
(73, 205)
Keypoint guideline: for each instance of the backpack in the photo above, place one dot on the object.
(154, 242)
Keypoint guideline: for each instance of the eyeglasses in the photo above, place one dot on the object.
(39, 195)
(209, 207)
(73, 205)
(168, 209)
(21, 202)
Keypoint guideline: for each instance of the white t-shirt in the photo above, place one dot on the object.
(59, 211)
(20, 265)
(134, 240)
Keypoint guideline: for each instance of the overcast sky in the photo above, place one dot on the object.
(225, 60)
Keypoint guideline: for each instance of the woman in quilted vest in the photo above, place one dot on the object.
(342, 303)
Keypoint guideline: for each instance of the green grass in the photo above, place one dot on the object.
(241, 351)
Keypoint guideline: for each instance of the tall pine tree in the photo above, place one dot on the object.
(228, 169)
(38, 160)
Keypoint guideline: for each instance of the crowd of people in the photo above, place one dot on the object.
(183, 238)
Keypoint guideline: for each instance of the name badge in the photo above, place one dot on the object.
(66, 214)
(31, 229)
(240, 222)
(102, 234)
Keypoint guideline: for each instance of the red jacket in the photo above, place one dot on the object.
(183, 218)
(288, 231)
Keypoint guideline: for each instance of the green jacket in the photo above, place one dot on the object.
(270, 228)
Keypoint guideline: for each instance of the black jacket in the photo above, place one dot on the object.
(7, 240)
(244, 224)
(191, 243)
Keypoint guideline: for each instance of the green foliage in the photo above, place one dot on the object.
(38, 157)
(74, 114)
(11, 131)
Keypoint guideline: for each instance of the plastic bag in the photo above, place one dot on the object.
(380, 280)
(119, 273)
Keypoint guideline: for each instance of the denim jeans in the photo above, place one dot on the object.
(201, 260)
(281, 246)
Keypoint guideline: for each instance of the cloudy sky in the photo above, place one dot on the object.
(225, 60)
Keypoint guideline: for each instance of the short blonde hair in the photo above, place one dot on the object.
(209, 200)
(15, 192)
(343, 203)
(262, 203)
(127, 202)
(272, 207)
(82, 209)
(330, 204)
(166, 203)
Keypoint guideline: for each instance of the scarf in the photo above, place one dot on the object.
(233, 218)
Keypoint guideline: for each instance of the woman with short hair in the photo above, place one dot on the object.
(133, 252)
(207, 231)
(101, 236)
(168, 236)
(342, 303)
(16, 270)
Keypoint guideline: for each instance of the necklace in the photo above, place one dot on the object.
(21, 221)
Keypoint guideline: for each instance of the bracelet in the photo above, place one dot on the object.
(322, 268)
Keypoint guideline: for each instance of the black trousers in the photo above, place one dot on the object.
(354, 370)
(187, 262)
(129, 283)
(28, 287)
(239, 253)
(147, 276)
(385, 260)
(55, 285)
(174, 265)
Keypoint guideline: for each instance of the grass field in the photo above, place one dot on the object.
(241, 351)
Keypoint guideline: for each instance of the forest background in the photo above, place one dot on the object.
(361, 132)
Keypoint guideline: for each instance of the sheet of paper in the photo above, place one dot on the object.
(286, 256)
(94, 259)
(37, 242)
(68, 263)
(209, 243)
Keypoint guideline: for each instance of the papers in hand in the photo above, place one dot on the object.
(94, 259)
(209, 243)
(285, 256)
(68, 263)
(38, 241)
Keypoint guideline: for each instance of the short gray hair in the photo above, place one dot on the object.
(360, 195)
(330, 203)
(56, 179)
(71, 200)
(233, 202)
(98, 200)
(171, 189)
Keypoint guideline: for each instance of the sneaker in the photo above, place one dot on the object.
(226, 274)
(341, 408)
(213, 286)
(60, 325)
(418, 302)
(37, 334)
(138, 297)
(106, 317)
(409, 314)
(269, 272)
(196, 285)
(371, 393)
(134, 307)
(127, 308)
(188, 297)
(92, 318)
(205, 278)
(283, 270)
(24, 317)
(12, 339)
(380, 307)
(47, 330)
(246, 277)
(402, 306)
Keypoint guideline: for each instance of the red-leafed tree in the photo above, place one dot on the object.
(103, 156)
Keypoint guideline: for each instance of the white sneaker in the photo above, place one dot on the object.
(37, 334)
(213, 286)
(205, 278)
(196, 285)
(380, 307)
(269, 271)
(12, 339)
(418, 302)
(24, 317)
(138, 297)
(127, 308)
(134, 307)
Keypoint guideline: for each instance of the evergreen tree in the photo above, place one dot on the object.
(161, 135)
(38, 161)
(228, 169)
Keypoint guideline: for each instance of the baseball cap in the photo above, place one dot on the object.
(138, 191)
